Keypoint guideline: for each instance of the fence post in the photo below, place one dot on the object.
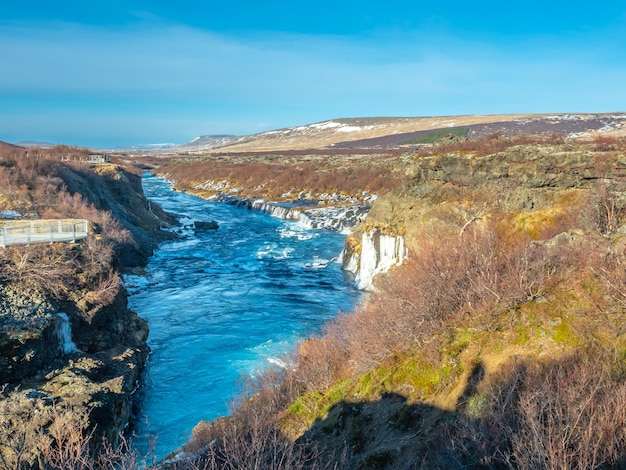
(4, 234)
(73, 233)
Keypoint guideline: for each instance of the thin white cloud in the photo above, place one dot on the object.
(182, 61)
(151, 73)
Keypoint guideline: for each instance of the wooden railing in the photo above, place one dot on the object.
(25, 232)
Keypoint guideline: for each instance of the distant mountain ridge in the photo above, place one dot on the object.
(387, 132)
(393, 132)
(32, 143)
(211, 141)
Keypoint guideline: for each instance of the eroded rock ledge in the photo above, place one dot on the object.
(75, 361)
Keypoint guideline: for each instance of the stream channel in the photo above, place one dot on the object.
(225, 303)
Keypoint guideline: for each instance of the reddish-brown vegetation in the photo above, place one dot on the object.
(273, 176)
(488, 145)
(33, 187)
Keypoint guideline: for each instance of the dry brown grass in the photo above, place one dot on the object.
(267, 176)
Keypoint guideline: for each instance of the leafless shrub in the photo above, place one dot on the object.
(256, 444)
(41, 267)
(448, 276)
(607, 143)
(265, 177)
(68, 445)
(605, 207)
(567, 414)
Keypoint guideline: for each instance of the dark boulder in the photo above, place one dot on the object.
(201, 226)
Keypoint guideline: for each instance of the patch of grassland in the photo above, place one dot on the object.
(436, 135)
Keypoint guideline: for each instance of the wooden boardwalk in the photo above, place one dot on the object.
(25, 232)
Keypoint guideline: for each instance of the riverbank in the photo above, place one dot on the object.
(71, 350)
(511, 291)
(226, 303)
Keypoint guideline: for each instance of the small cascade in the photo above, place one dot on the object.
(64, 334)
(287, 211)
(336, 219)
(379, 253)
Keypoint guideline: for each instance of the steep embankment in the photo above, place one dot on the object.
(70, 349)
(508, 279)
(498, 342)
(111, 188)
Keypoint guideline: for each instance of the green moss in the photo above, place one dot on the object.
(523, 334)
(420, 376)
(563, 334)
(458, 344)
(371, 383)
(536, 223)
(476, 404)
(317, 404)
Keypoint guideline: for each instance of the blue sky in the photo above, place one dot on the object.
(119, 73)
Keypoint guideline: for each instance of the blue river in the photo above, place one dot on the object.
(226, 303)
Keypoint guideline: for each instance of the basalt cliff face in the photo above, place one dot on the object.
(464, 188)
(70, 362)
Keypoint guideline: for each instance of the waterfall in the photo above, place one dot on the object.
(64, 334)
(334, 218)
(379, 253)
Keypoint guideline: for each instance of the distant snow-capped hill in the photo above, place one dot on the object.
(386, 132)
(210, 141)
(335, 131)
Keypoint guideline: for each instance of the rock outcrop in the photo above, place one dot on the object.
(112, 188)
(79, 356)
(462, 188)
(203, 225)
(527, 166)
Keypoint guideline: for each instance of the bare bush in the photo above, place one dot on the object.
(47, 268)
(250, 438)
(566, 414)
(447, 276)
(262, 176)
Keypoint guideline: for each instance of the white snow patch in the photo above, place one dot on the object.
(354, 128)
(326, 125)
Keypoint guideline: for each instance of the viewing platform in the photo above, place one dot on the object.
(25, 232)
